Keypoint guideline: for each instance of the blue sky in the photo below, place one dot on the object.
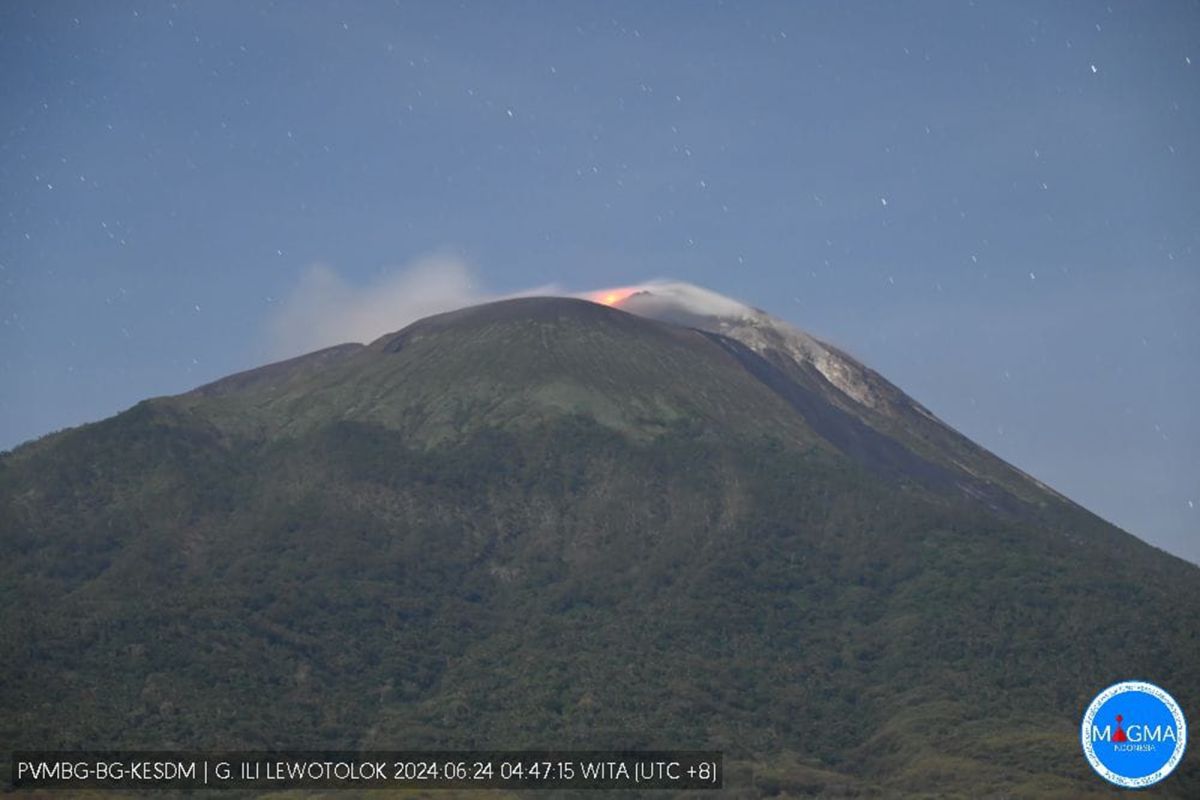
(996, 205)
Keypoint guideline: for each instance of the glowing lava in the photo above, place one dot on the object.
(611, 297)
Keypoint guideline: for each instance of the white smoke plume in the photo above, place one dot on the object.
(657, 295)
(324, 309)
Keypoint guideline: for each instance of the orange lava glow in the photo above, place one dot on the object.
(611, 297)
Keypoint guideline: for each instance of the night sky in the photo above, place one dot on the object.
(996, 205)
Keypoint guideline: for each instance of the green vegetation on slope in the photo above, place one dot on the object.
(198, 573)
(564, 586)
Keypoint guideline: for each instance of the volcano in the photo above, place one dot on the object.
(667, 520)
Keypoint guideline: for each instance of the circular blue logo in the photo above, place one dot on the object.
(1134, 734)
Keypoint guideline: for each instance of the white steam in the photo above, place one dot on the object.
(324, 309)
(647, 298)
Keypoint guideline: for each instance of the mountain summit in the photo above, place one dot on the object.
(836, 377)
(663, 521)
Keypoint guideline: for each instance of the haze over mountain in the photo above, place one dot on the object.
(662, 519)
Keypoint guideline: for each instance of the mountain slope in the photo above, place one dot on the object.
(840, 379)
(511, 364)
(548, 522)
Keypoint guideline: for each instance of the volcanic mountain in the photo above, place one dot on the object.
(665, 520)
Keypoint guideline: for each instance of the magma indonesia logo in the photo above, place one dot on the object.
(1134, 734)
